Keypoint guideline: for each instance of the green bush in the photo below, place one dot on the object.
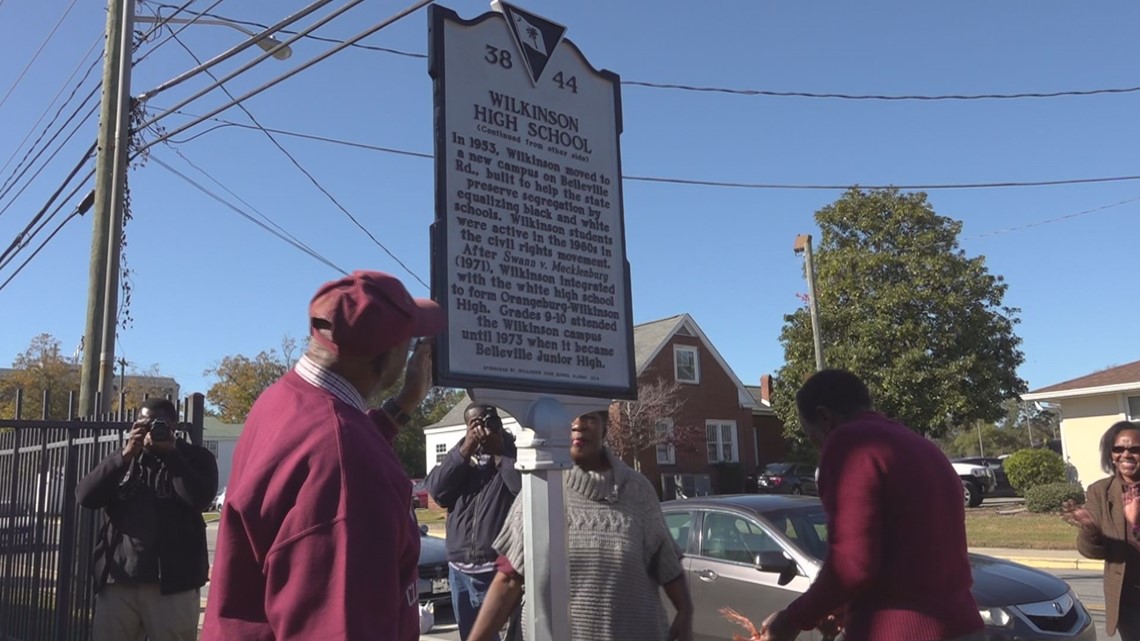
(1051, 497)
(1029, 468)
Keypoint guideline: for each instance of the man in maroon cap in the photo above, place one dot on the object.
(317, 538)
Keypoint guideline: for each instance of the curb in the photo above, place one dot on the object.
(1041, 563)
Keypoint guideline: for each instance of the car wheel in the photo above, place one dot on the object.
(797, 490)
(971, 494)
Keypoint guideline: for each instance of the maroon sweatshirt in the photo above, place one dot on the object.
(896, 529)
(316, 539)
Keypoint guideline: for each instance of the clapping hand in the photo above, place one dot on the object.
(1078, 516)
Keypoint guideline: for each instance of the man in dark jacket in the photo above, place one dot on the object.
(151, 557)
(477, 482)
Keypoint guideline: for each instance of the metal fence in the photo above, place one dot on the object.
(46, 539)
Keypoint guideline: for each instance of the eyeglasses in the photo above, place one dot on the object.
(1120, 449)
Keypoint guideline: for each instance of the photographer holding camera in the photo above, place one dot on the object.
(151, 557)
(477, 482)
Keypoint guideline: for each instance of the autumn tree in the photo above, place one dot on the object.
(902, 306)
(653, 419)
(42, 367)
(241, 380)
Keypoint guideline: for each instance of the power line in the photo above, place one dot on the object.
(243, 201)
(303, 170)
(881, 97)
(78, 127)
(43, 44)
(240, 70)
(419, 4)
(242, 46)
(165, 22)
(47, 240)
(23, 238)
(62, 87)
(297, 134)
(922, 187)
(225, 123)
(296, 244)
(688, 181)
(1049, 221)
(288, 32)
(766, 92)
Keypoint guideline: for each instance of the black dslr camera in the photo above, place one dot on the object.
(491, 420)
(160, 430)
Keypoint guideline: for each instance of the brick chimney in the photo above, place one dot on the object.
(766, 388)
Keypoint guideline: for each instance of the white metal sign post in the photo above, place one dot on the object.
(528, 254)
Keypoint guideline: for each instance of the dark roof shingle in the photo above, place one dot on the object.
(1119, 375)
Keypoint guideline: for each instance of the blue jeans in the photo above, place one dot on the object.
(467, 593)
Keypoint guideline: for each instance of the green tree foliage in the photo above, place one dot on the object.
(42, 367)
(903, 307)
(984, 439)
(1027, 469)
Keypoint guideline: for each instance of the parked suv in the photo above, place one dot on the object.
(977, 481)
(1003, 486)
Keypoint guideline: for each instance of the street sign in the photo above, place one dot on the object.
(528, 244)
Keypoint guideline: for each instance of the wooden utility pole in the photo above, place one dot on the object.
(98, 367)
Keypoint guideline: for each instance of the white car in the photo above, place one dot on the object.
(219, 501)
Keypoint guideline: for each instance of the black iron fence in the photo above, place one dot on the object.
(46, 539)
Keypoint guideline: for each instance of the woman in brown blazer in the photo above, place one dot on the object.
(1109, 525)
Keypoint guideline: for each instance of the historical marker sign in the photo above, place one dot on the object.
(528, 251)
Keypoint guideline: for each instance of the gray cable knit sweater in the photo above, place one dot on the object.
(620, 554)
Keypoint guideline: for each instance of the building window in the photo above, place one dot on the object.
(666, 453)
(721, 441)
(213, 447)
(1134, 408)
(440, 453)
(686, 364)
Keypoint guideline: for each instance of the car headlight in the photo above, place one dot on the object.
(998, 617)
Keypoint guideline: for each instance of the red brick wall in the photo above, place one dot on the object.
(715, 397)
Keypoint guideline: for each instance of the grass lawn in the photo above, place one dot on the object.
(211, 516)
(986, 527)
(431, 516)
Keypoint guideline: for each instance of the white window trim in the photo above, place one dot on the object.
(678, 349)
(670, 457)
(720, 443)
(441, 448)
(1128, 407)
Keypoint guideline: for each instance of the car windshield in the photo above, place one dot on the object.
(804, 526)
(777, 468)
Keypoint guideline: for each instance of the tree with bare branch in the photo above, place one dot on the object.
(634, 425)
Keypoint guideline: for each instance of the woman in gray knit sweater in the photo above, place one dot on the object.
(620, 552)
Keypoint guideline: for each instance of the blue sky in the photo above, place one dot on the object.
(208, 283)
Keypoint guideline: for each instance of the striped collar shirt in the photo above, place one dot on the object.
(326, 379)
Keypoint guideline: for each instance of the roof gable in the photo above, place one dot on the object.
(1121, 375)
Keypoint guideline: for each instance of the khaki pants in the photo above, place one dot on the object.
(132, 612)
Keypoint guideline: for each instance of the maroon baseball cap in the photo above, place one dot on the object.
(368, 313)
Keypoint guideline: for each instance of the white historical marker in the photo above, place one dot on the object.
(528, 251)
(528, 256)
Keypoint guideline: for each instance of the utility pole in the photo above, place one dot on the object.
(803, 245)
(98, 368)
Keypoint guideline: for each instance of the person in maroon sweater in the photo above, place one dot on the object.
(896, 568)
(317, 538)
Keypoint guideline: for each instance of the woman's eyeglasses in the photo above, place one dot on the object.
(1120, 449)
